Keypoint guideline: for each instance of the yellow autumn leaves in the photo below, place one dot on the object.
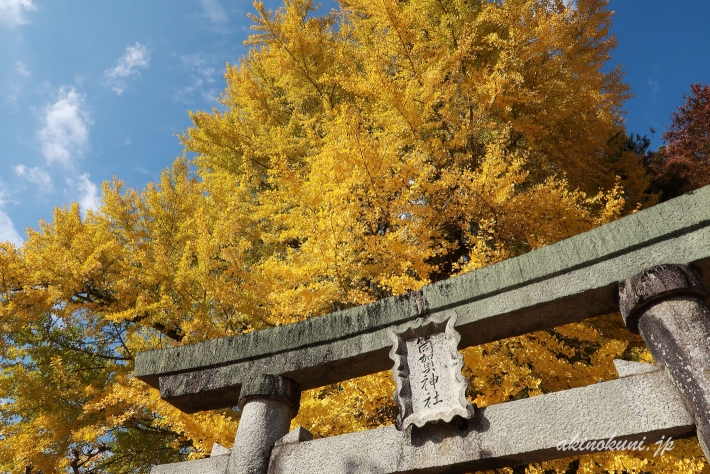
(359, 153)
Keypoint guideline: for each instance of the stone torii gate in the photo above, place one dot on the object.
(653, 266)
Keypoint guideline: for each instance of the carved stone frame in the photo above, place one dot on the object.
(439, 323)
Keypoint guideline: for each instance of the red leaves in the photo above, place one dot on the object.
(686, 159)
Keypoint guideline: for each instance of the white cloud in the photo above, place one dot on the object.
(65, 132)
(21, 69)
(214, 11)
(135, 58)
(186, 95)
(12, 12)
(203, 77)
(36, 175)
(143, 170)
(193, 61)
(7, 228)
(89, 193)
(15, 86)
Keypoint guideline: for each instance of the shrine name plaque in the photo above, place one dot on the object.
(427, 370)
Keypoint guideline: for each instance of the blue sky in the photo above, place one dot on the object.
(91, 90)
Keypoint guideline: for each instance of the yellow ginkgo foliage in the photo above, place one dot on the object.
(360, 153)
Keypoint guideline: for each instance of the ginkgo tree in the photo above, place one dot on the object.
(361, 153)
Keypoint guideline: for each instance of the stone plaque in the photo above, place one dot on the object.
(427, 369)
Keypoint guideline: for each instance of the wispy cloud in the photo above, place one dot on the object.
(12, 12)
(214, 11)
(655, 86)
(88, 193)
(16, 84)
(36, 175)
(65, 131)
(143, 170)
(21, 69)
(202, 73)
(135, 58)
(7, 228)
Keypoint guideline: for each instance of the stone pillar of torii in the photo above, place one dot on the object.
(268, 403)
(665, 304)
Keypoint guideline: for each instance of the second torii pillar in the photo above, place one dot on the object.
(665, 304)
(268, 403)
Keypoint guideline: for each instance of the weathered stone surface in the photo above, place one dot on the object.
(296, 435)
(311, 366)
(642, 407)
(654, 284)
(218, 450)
(263, 422)
(211, 465)
(675, 324)
(427, 370)
(271, 386)
(335, 326)
(626, 368)
(207, 389)
(562, 283)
